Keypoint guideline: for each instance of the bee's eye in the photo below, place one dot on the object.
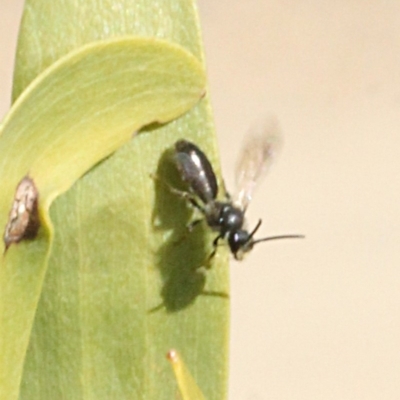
(237, 241)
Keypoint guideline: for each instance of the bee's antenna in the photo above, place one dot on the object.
(255, 230)
(279, 237)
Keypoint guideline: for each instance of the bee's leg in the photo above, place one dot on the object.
(207, 264)
(181, 193)
(190, 198)
(193, 224)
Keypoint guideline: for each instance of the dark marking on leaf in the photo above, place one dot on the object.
(23, 221)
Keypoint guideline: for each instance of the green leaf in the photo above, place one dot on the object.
(118, 292)
(91, 102)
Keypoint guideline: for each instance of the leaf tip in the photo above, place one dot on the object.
(187, 385)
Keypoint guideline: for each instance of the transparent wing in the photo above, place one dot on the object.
(259, 150)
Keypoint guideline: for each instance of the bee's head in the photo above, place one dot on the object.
(241, 242)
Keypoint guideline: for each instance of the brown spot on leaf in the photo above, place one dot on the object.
(23, 220)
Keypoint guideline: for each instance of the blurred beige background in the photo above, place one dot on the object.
(317, 318)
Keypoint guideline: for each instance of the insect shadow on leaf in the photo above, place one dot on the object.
(182, 254)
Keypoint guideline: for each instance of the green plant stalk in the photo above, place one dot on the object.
(118, 293)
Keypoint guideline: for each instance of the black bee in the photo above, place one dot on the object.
(227, 217)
